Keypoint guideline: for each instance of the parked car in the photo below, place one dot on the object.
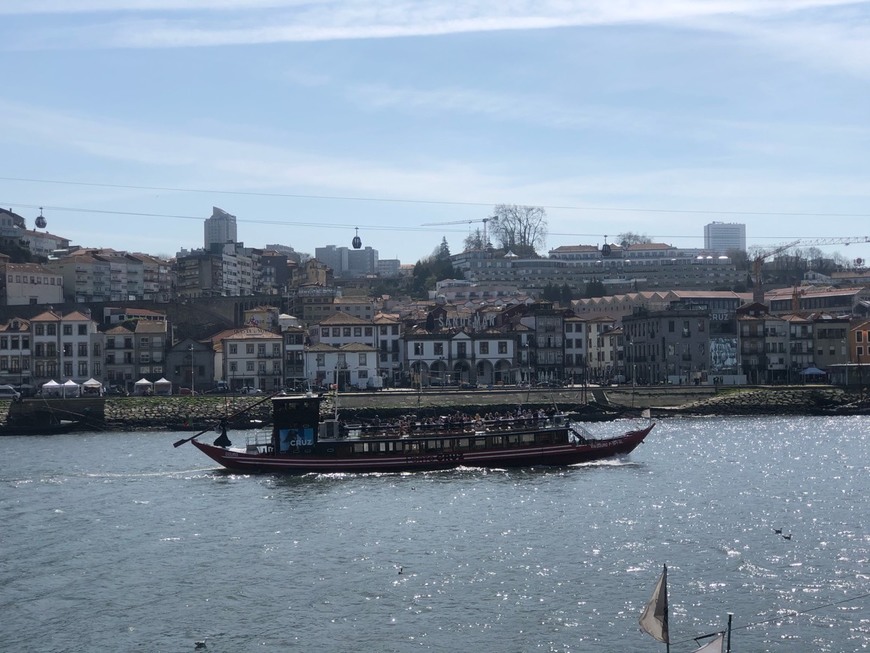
(8, 392)
(248, 390)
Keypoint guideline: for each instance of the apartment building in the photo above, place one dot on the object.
(389, 334)
(29, 284)
(250, 358)
(65, 347)
(669, 346)
(15, 354)
(351, 365)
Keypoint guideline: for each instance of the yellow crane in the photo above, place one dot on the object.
(761, 257)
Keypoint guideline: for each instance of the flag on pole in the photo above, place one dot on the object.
(713, 647)
(654, 618)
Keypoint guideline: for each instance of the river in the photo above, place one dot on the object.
(120, 542)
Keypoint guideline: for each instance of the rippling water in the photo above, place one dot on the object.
(118, 542)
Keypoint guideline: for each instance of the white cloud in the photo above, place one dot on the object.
(160, 23)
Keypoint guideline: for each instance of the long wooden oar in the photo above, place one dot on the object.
(236, 414)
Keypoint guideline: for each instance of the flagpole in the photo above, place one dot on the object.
(667, 613)
(728, 639)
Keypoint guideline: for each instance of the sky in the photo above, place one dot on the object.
(409, 121)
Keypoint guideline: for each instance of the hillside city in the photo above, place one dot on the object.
(228, 317)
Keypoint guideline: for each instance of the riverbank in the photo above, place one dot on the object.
(795, 400)
(203, 412)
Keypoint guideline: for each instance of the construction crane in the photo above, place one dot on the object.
(493, 218)
(761, 257)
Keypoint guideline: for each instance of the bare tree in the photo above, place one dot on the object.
(521, 229)
(474, 241)
(630, 238)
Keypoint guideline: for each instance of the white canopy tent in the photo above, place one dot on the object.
(143, 387)
(92, 387)
(51, 389)
(71, 389)
(163, 387)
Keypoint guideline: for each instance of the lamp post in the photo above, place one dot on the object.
(528, 363)
(192, 389)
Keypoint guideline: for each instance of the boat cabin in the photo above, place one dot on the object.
(299, 430)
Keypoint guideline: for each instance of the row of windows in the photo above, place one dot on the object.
(50, 329)
(14, 342)
(49, 349)
(50, 369)
(342, 360)
(461, 348)
(251, 349)
(258, 366)
(47, 281)
(345, 332)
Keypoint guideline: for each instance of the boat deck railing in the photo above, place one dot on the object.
(408, 428)
(258, 442)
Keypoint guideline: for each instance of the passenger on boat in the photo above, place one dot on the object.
(222, 440)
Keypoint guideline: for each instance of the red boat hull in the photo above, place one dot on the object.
(528, 456)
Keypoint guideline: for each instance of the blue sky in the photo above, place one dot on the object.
(129, 119)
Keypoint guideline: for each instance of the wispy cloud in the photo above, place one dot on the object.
(191, 23)
(188, 160)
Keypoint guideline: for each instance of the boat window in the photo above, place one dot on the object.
(480, 443)
(360, 447)
(412, 447)
(497, 440)
(513, 440)
(462, 443)
(433, 444)
(528, 438)
(544, 438)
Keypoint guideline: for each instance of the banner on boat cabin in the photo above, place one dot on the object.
(294, 438)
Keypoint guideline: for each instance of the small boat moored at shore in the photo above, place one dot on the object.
(52, 427)
(301, 442)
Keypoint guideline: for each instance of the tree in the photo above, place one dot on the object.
(18, 251)
(630, 238)
(474, 241)
(566, 295)
(739, 258)
(595, 288)
(520, 229)
(442, 252)
(550, 292)
(429, 271)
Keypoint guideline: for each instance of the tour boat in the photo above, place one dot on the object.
(301, 442)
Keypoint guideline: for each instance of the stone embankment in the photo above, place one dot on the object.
(131, 413)
(774, 401)
(201, 413)
(184, 413)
